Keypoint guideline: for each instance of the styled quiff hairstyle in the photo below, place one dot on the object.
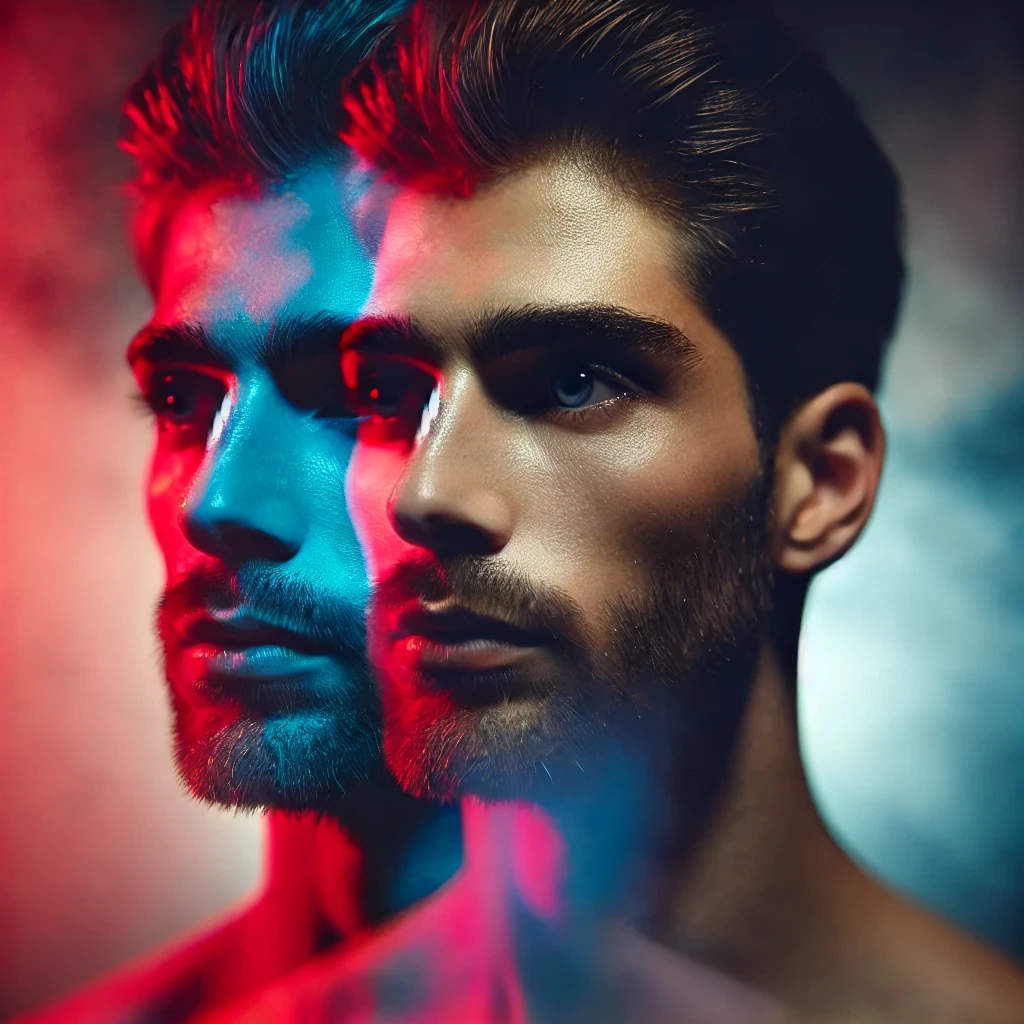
(241, 92)
(714, 113)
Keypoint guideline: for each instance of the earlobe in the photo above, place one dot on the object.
(827, 468)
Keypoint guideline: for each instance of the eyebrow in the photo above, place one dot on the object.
(514, 329)
(184, 342)
(288, 339)
(585, 325)
(393, 335)
(301, 337)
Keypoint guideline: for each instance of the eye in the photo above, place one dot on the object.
(386, 387)
(577, 387)
(184, 401)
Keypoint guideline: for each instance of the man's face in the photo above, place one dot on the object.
(262, 620)
(558, 482)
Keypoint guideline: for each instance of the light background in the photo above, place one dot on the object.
(912, 697)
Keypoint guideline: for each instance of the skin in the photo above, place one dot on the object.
(247, 480)
(760, 892)
(446, 262)
(764, 896)
(662, 444)
(248, 471)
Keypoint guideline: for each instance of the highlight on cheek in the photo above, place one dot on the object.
(372, 474)
(220, 419)
(430, 411)
(161, 482)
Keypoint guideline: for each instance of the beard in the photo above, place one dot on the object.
(668, 675)
(262, 746)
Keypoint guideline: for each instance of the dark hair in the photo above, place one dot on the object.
(242, 92)
(714, 112)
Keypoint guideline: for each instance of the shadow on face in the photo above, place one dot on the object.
(559, 481)
(262, 619)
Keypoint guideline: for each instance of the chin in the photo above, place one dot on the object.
(305, 760)
(518, 749)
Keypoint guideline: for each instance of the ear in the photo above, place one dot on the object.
(828, 463)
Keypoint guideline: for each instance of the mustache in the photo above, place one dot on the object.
(281, 601)
(487, 588)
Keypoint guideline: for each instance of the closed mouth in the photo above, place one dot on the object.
(241, 633)
(453, 644)
(455, 626)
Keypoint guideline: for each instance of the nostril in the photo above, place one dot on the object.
(448, 535)
(460, 538)
(453, 496)
(246, 544)
(236, 540)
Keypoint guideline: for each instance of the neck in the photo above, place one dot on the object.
(754, 862)
(762, 889)
(335, 877)
(767, 897)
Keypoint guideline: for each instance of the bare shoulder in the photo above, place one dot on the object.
(979, 986)
(944, 976)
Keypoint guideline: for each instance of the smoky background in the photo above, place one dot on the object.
(912, 697)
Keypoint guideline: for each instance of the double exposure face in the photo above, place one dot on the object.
(558, 483)
(262, 619)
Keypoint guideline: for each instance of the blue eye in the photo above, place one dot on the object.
(581, 387)
(573, 388)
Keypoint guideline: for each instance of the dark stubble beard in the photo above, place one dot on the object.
(669, 679)
(314, 754)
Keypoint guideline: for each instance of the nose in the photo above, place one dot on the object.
(242, 505)
(454, 497)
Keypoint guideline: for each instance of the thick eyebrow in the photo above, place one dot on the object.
(583, 326)
(514, 329)
(288, 339)
(184, 342)
(393, 335)
(300, 337)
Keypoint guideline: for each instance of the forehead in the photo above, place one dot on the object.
(550, 235)
(235, 262)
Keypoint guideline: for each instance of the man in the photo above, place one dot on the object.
(616, 368)
(257, 243)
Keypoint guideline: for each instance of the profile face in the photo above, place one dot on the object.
(262, 619)
(557, 479)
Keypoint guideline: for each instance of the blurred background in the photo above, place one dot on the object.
(912, 691)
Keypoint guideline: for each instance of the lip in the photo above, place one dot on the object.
(455, 639)
(239, 645)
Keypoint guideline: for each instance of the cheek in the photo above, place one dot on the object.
(660, 474)
(170, 475)
(681, 470)
(373, 474)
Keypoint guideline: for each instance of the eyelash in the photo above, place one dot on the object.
(605, 410)
(202, 393)
(141, 405)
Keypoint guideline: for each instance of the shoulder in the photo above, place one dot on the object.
(947, 977)
(982, 987)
